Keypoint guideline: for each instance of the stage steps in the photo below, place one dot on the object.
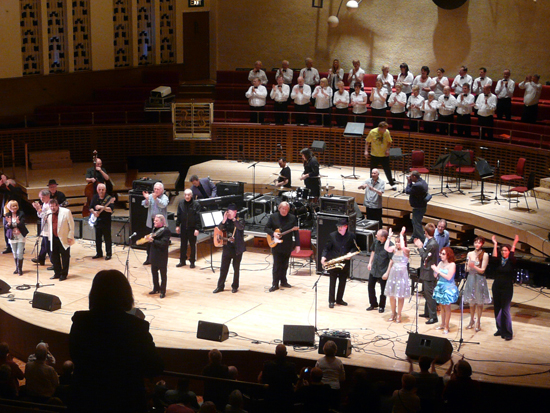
(543, 191)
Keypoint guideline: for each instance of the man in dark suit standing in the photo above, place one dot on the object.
(160, 240)
(202, 188)
(188, 223)
(282, 221)
(428, 256)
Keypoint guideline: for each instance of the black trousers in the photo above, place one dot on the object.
(486, 123)
(375, 214)
(429, 126)
(229, 255)
(372, 292)
(463, 125)
(257, 114)
(384, 161)
(504, 108)
(444, 121)
(302, 116)
(44, 250)
(281, 115)
(323, 116)
(341, 276)
(530, 113)
(378, 115)
(60, 258)
(341, 117)
(502, 298)
(398, 120)
(280, 267)
(414, 124)
(155, 269)
(103, 233)
(430, 307)
(188, 236)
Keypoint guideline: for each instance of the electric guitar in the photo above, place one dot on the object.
(273, 241)
(93, 217)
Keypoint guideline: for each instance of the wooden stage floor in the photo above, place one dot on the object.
(256, 317)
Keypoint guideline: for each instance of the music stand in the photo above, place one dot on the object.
(485, 171)
(440, 164)
(396, 154)
(460, 159)
(354, 130)
(210, 220)
(402, 191)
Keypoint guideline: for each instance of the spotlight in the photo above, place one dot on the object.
(352, 5)
(333, 21)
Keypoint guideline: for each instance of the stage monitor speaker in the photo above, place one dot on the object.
(138, 218)
(120, 230)
(4, 287)
(437, 348)
(212, 331)
(449, 4)
(299, 335)
(343, 345)
(326, 223)
(45, 301)
(318, 146)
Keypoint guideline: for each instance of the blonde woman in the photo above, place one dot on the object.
(397, 103)
(341, 102)
(429, 107)
(398, 286)
(323, 102)
(16, 231)
(414, 106)
(378, 103)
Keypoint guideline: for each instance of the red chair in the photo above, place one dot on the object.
(523, 190)
(520, 171)
(417, 164)
(469, 168)
(306, 252)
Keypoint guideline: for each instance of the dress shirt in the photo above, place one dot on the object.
(334, 78)
(322, 100)
(483, 82)
(43, 214)
(157, 206)
(399, 101)
(438, 87)
(311, 76)
(443, 239)
(415, 112)
(287, 75)
(341, 97)
(372, 199)
(352, 78)
(301, 98)
(256, 99)
(532, 92)
(447, 106)
(427, 83)
(260, 74)
(505, 90)
(464, 104)
(361, 102)
(389, 79)
(459, 81)
(280, 94)
(378, 98)
(406, 81)
(430, 109)
(486, 105)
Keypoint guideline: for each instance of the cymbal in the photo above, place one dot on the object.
(328, 188)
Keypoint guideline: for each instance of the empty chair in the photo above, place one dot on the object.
(523, 190)
(306, 252)
(417, 164)
(518, 176)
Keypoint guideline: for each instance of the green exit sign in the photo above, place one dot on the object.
(196, 3)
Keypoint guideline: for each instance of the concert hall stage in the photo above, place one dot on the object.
(255, 317)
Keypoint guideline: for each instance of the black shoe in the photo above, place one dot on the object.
(55, 277)
(330, 305)
(37, 261)
(286, 285)
(146, 262)
(341, 302)
(381, 310)
(107, 258)
(410, 240)
(432, 321)
(508, 338)
(497, 334)
(16, 270)
(192, 265)
(153, 292)
(162, 295)
(63, 278)
(217, 290)
(181, 264)
(234, 290)
(273, 288)
(424, 315)
(50, 268)
(95, 257)
(7, 251)
(372, 307)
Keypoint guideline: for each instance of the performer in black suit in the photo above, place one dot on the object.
(188, 223)
(283, 221)
(340, 243)
(428, 257)
(55, 194)
(102, 208)
(310, 176)
(98, 174)
(158, 255)
(233, 250)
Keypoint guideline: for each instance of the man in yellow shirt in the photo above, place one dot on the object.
(380, 141)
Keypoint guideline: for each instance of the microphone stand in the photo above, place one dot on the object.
(461, 298)
(254, 178)
(315, 288)
(36, 251)
(127, 263)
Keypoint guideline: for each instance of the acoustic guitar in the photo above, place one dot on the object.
(274, 241)
(221, 238)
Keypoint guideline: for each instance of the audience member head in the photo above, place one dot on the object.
(431, 95)
(208, 407)
(378, 84)
(341, 86)
(335, 66)
(280, 351)
(68, 367)
(194, 179)
(5, 373)
(440, 72)
(233, 373)
(110, 291)
(188, 195)
(236, 399)
(330, 348)
(41, 353)
(505, 250)
(4, 350)
(374, 174)
(316, 375)
(285, 64)
(429, 229)
(215, 357)
(159, 221)
(463, 369)
(447, 90)
(13, 206)
(408, 381)
(536, 78)
(487, 90)
(415, 176)
(424, 362)
(257, 65)
(360, 377)
(280, 80)
(356, 64)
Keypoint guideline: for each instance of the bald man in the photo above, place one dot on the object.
(188, 223)
(98, 174)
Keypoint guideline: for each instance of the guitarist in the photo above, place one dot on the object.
(102, 208)
(282, 221)
(340, 243)
(233, 250)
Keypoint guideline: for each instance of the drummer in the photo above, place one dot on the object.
(310, 176)
(284, 179)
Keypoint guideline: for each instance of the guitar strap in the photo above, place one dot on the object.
(106, 200)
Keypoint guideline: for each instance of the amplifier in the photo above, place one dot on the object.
(230, 188)
(140, 185)
(337, 204)
(220, 202)
(368, 224)
(359, 269)
(264, 204)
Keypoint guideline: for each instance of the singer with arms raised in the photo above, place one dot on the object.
(159, 240)
(428, 257)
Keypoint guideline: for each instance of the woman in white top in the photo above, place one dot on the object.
(341, 102)
(405, 78)
(378, 97)
(335, 75)
(397, 103)
(423, 81)
(429, 107)
(358, 101)
(439, 82)
(386, 79)
(323, 102)
(414, 107)
(356, 74)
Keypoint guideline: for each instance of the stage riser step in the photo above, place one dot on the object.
(545, 183)
(543, 193)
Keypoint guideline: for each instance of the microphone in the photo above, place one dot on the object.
(426, 260)
(133, 235)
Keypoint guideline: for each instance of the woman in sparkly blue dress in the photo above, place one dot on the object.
(445, 292)
(398, 286)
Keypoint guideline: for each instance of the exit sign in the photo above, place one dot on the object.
(196, 3)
